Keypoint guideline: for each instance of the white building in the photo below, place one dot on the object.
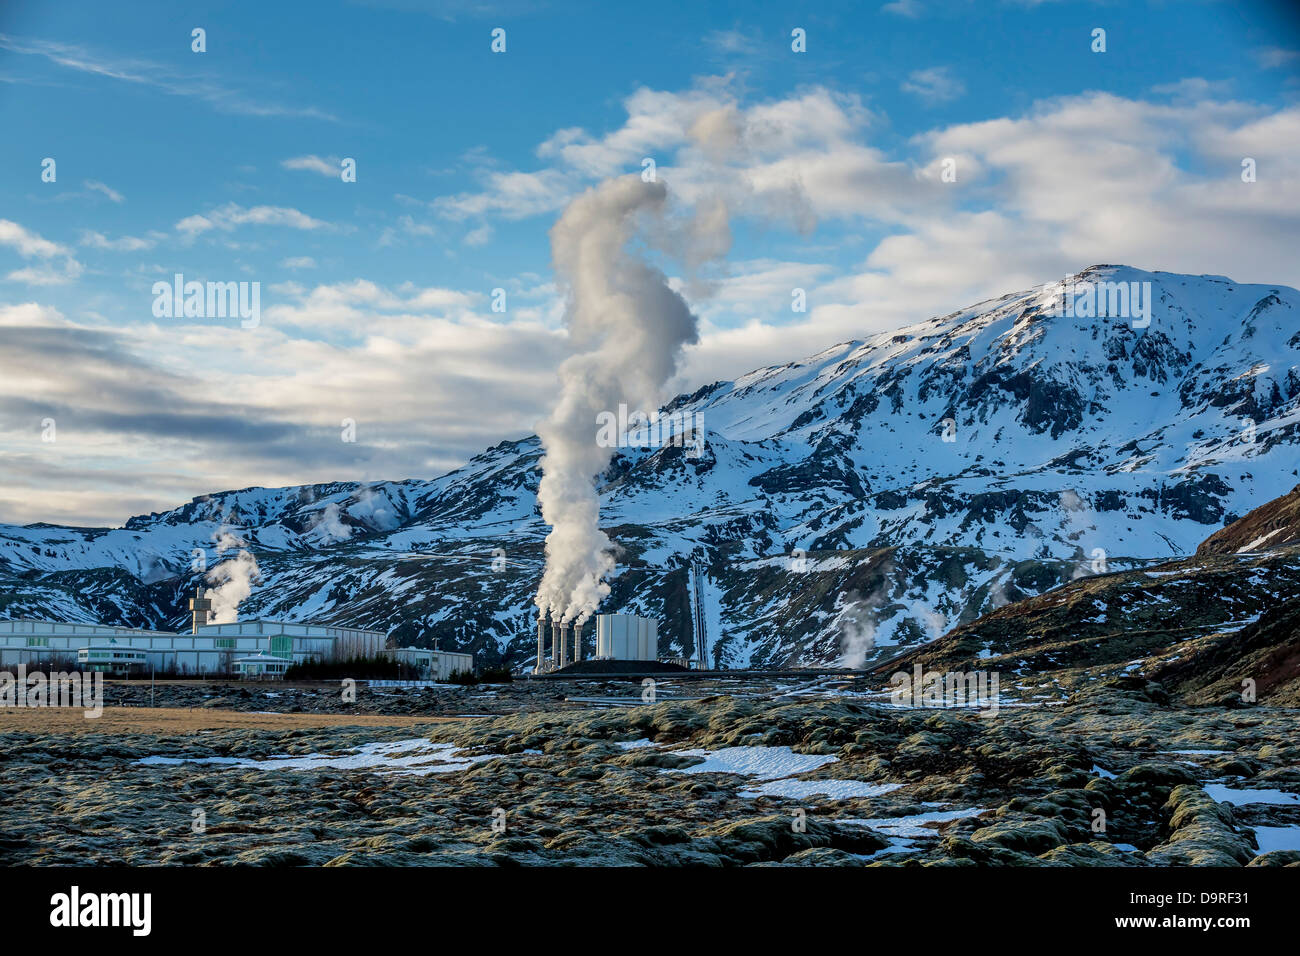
(210, 649)
(262, 667)
(432, 664)
(112, 659)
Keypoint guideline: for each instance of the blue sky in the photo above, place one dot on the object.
(376, 294)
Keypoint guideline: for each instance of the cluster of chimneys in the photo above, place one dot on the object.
(562, 635)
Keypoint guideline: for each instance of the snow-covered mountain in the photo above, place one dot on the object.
(863, 498)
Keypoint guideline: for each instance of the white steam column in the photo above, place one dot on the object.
(627, 329)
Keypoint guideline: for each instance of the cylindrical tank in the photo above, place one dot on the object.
(627, 637)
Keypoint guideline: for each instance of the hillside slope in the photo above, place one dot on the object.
(855, 502)
(1208, 627)
(1273, 525)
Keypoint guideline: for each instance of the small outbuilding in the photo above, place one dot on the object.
(111, 659)
(262, 667)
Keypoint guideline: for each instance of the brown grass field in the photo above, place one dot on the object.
(181, 720)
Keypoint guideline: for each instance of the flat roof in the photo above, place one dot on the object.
(9, 625)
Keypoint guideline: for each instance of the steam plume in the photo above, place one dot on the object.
(857, 626)
(233, 579)
(627, 328)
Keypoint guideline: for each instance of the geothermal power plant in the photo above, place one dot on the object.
(619, 637)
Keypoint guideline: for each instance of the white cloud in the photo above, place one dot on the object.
(735, 42)
(46, 274)
(157, 76)
(1276, 57)
(327, 166)
(231, 215)
(227, 407)
(29, 244)
(97, 240)
(96, 186)
(934, 85)
(904, 8)
(511, 195)
(1067, 183)
(298, 262)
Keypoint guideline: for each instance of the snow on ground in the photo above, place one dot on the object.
(1278, 838)
(831, 789)
(1257, 542)
(915, 825)
(777, 766)
(415, 756)
(896, 845)
(765, 763)
(1241, 798)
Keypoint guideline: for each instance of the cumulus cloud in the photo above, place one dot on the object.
(1066, 183)
(31, 245)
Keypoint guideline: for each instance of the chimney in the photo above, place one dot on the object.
(200, 609)
(566, 631)
(541, 638)
(555, 642)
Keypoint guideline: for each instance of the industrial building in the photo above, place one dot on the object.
(622, 637)
(432, 664)
(209, 649)
(251, 648)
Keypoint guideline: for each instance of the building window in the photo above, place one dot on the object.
(225, 643)
(38, 642)
(282, 645)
